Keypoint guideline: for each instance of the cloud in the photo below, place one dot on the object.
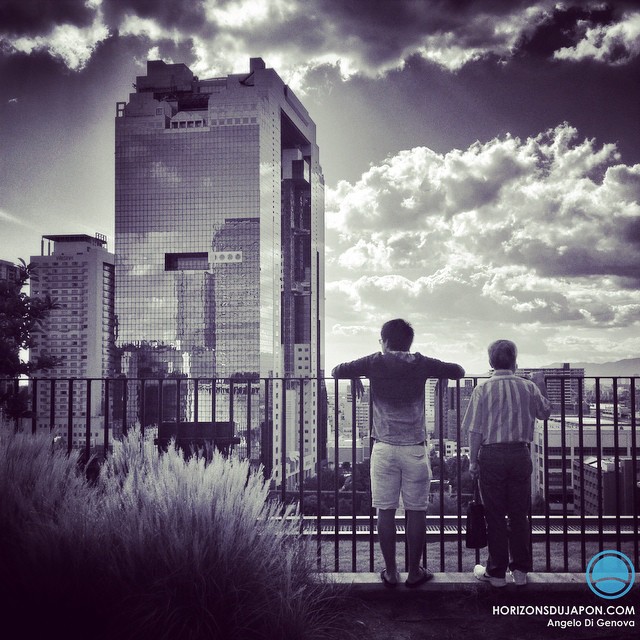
(11, 220)
(615, 44)
(29, 18)
(70, 33)
(298, 37)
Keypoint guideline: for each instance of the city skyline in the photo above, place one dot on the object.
(481, 165)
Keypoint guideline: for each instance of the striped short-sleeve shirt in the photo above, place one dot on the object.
(505, 408)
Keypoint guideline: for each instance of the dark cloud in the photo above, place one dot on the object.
(34, 17)
(564, 28)
(580, 261)
(384, 31)
(630, 232)
(171, 14)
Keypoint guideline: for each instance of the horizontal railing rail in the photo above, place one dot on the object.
(311, 437)
(452, 527)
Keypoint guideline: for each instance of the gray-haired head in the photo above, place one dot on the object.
(503, 354)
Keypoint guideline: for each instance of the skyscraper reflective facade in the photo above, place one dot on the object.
(219, 236)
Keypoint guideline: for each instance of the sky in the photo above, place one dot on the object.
(481, 159)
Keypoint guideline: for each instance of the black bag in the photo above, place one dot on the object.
(476, 536)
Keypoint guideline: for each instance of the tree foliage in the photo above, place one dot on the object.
(20, 316)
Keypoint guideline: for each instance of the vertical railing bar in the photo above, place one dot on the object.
(87, 431)
(52, 406)
(475, 384)
(583, 546)
(441, 386)
(214, 398)
(16, 392)
(599, 463)
(70, 417)
(321, 401)
(266, 443)
(545, 475)
(301, 453)
(563, 469)
(161, 402)
(283, 440)
(249, 419)
(196, 417)
(34, 406)
(634, 465)
(125, 396)
(232, 415)
(106, 417)
(143, 406)
(459, 473)
(371, 508)
(336, 458)
(616, 461)
(178, 412)
(354, 426)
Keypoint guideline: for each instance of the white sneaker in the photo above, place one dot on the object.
(480, 573)
(519, 577)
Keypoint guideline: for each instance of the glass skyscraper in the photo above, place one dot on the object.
(219, 236)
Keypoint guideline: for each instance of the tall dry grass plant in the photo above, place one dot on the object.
(160, 546)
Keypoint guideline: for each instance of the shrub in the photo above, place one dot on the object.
(161, 546)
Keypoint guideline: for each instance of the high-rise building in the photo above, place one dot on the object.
(78, 272)
(457, 401)
(604, 485)
(220, 237)
(556, 450)
(9, 271)
(563, 384)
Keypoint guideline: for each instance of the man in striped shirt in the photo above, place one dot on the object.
(500, 420)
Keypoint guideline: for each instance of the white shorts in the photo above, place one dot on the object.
(399, 469)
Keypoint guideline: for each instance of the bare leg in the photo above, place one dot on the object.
(416, 534)
(387, 538)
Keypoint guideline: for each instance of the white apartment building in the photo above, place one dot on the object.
(78, 272)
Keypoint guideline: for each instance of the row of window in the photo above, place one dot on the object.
(585, 451)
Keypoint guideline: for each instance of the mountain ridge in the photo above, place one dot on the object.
(626, 367)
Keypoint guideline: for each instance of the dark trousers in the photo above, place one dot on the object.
(505, 476)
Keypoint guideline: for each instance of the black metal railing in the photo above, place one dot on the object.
(313, 440)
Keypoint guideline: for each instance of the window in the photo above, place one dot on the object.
(186, 261)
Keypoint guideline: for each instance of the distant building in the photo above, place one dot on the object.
(431, 409)
(450, 448)
(603, 487)
(563, 386)
(458, 399)
(9, 271)
(78, 272)
(345, 451)
(555, 449)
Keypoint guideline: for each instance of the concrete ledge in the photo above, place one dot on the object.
(363, 583)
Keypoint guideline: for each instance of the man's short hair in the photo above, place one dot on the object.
(398, 334)
(503, 354)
